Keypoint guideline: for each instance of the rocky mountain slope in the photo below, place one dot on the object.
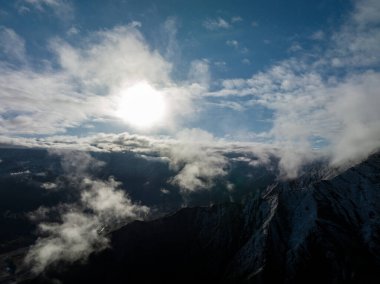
(324, 232)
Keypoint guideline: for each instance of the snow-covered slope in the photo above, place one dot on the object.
(327, 231)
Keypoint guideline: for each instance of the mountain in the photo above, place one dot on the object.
(323, 232)
(34, 178)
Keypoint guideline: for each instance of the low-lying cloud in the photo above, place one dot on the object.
(198, 165)
(103, 205)
(197, 158)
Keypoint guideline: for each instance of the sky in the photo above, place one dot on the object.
(297, 74)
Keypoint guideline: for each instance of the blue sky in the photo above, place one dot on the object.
(263, 30)
(299, 73)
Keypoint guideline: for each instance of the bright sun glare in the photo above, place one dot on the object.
(142, 106)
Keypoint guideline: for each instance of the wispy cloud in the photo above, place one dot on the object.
(169, 37)
(220, 23)
(318, 35)
(63, 9)
(12, 45)
(246, 61)
(357, 41)
(295, 46)
(199, 72)
(236, 19)
(233, 43)
(215, 24)
(41, 103)
(237, 46)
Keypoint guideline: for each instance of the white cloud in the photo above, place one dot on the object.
(254, 24)
(63, 9)
(199, 72)
(246, 61)
(72, 31)
(49, 185)
(197, 157)
(75, 238)
(233, 43)
(343, 113)
(357, 41)
(164, 191)
(318, 35)
(108, 58)
(220, 64)
(236, 19)
(367, 12)
(12, 45)
(295, 46)
(229, 104)
(81, 230)
(108, 202)
(169, 37)
(196, 163)
(42, 103)
(306, 105)
(216, 24)
(88, 83)
(356, 108)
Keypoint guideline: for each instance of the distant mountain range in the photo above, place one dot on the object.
(303, 231)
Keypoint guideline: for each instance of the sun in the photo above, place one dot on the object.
(142, 106)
